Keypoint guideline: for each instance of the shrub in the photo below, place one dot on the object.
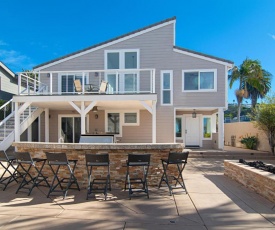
(250, 142)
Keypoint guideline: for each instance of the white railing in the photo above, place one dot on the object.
(28, 84)
(120, 81)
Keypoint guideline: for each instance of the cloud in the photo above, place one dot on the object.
(272, 36)
(15, 60)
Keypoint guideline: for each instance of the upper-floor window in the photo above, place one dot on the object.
(67, 81)
(166, 87)
(127, 81)
(199, 80)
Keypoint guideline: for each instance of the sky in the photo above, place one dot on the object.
(33, 32)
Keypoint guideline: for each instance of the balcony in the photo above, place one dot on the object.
(120, 81)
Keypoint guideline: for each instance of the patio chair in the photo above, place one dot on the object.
(30, 179)
(103, 87)
(137, 165)
(59, 162)
(10, 172)
(77, 86)
(95, 161)
(180, 160)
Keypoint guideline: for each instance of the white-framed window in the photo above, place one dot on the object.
(178, 127)
(116, 119)
(66, 81)
(127, 60)
(207, 127)
(204, 80)
(131, 118)
(166, 87)
(69, 127)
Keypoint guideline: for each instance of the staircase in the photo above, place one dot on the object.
(7, 126)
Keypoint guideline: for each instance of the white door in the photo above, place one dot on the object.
(192, 131)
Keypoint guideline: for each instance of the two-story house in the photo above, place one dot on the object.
(157, 92)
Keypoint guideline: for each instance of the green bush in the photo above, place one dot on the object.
(250, 142)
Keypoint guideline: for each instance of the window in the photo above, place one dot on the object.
(67, 81)
(122, 59)
(113, 123)
(166, 87)
(178, 127)
(199, 80)
(131, 118)
(207, 133)
(70, 128)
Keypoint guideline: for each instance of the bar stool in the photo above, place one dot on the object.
(98, 160)
(134, 162)
(26, 163)
(180, 160)
(57, 161)
(10, 173)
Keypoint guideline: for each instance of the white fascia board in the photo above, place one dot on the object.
(106, 45)
(203, 57)
(198, 108)
(75, 98)
(7, 69)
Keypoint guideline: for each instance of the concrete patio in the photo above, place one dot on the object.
(213, 202)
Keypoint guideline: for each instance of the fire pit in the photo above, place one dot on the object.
(260, 181)
(259, 165)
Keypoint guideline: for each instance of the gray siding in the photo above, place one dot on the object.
(8, 86)
(156, 51)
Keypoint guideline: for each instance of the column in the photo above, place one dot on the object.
(47, 125)
(221, 128)
(83, 121)
(154, 122)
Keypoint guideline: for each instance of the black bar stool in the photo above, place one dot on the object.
(134, 162)
(10, 173)
(57, 161)
(98, 160)
(30, 179)
(180, 160)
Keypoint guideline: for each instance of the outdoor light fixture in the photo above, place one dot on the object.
(194, 114)
(95, 109)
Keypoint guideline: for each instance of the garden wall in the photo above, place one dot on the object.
(239, 129)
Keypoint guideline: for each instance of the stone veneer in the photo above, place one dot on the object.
(118, 154)
(257, 180)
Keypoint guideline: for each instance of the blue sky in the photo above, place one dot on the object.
(33, 32)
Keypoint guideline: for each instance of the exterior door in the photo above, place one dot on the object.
(192, 131)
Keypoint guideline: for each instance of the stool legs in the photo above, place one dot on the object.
(12, 175)
(179, 179)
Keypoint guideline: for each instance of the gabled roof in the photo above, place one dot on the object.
(12, 74)
(203, 56)
(116, 39)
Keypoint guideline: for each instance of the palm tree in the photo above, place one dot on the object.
(255, 82)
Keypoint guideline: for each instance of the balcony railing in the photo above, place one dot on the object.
(122, 81)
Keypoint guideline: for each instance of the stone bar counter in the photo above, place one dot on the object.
(118, 154)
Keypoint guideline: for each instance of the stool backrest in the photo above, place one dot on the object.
(23, 157)
(138, 158)
(176, 157)
(3, 156)
(97, 158)
(55, 158)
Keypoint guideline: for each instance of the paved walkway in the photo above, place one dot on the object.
(213, 202)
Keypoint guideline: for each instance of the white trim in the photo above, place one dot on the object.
(75, 73)
(181, 117)
(69, 115)
(230, 65)
(7, 69)
(107, 44)
(131, 124)
(211, 127)
(226, 87)
(199, 71)
(120, 121)
(171, 87)
(121, 79)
